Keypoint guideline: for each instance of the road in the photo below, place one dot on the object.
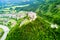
(6, 30)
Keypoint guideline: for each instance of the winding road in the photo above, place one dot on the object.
(6, 30)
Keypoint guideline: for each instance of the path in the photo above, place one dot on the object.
(6, 30)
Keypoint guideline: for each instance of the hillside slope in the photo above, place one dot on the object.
(35, 30)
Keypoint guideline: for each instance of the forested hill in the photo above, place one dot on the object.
(42, 20)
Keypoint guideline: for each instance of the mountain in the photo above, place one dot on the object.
(38, 29)
(31, 31)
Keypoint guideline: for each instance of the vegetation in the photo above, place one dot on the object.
(1, 32)
(48, 12)
(35, 30)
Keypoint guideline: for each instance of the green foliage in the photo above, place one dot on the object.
(9, 25)
(1, 32)
(50, 11)
(39, 29)
(35, 30)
